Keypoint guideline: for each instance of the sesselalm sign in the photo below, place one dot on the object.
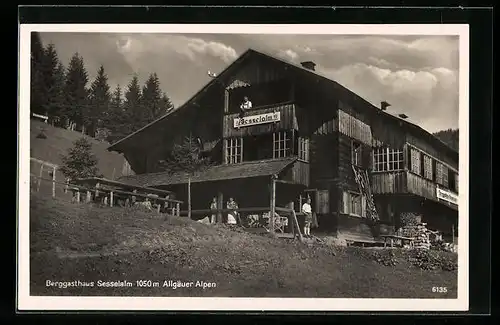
(257, 119)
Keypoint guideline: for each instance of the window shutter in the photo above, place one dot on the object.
(345, 200)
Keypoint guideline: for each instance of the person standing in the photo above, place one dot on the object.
(213, 206)
(232, 214)
(245, 106)
(307, 211)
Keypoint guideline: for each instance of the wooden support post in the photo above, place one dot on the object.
(291, 206)
(40, 178)
(296, 222)
(220, 206)
(453, 233)
(67, 186)
(97, 189)
(77, 196)
(105, 200)
(178, 208)
(273, 203)
(111, 199)
(54, 182)
(88, 199)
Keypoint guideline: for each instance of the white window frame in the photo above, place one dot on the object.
(234, 150)
(389, 156)
(303, 149)
(282, 146)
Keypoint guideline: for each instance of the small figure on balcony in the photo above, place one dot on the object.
(245, 106)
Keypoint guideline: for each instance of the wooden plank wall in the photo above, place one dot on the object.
(387, 132)
(389, 182)
(298, 173)
(345, 173)
(421, 186)
(257, 71)
(354, 128)
(287, 122)
(431, 150)
(323, 156)
(301, 173)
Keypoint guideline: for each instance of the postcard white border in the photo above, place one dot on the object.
(46, 303)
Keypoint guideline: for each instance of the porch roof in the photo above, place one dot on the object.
(214, 173)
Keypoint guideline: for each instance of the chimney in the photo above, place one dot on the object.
(308, 65)
(384, 105)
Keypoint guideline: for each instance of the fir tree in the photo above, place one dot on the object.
(116, 99)
(151, 99)
(76, 92)
(185, 157)
(37, 91)
(80, 162)
(99, 101)
(116, 118)
(56, 101)
(133, 104)
(51, 69)
(166, 104)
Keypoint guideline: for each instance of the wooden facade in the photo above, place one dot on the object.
(327, 128)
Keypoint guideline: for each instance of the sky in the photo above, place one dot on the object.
(417, 75)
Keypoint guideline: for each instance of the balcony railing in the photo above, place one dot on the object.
(406, 182)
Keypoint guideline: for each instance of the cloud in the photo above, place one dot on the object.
(288, 55)
(428, 97)
(198, 46)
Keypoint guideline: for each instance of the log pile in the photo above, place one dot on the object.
(420, 233)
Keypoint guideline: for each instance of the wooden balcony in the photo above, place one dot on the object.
(405, 182)
(286, 121)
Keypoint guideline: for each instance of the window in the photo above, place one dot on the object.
(356, 153)
(282, 146)
(303, 149)
(387, 159)
(234, 150)
(354, 204)
(441, 174)
(456, 181)
(416, 163)
(427, 167)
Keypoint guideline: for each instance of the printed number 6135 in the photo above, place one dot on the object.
(439, 289)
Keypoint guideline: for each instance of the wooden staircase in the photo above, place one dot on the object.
(365, 189)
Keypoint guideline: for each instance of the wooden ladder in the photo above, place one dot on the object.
(365, 189)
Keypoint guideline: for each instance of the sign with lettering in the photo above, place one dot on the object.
(446, 195)
(257, 119)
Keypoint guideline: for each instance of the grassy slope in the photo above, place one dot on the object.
(60, 140)
(241, 264)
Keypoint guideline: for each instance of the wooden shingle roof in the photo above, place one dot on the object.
(213, 173)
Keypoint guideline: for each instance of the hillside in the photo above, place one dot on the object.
(450, 137)
(72, 242)
(59, 140)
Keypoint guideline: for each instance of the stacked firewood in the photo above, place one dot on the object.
(420, 233)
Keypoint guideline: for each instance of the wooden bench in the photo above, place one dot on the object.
(393, 238)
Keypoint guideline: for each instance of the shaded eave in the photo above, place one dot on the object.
(116, 146)
(245, 170)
